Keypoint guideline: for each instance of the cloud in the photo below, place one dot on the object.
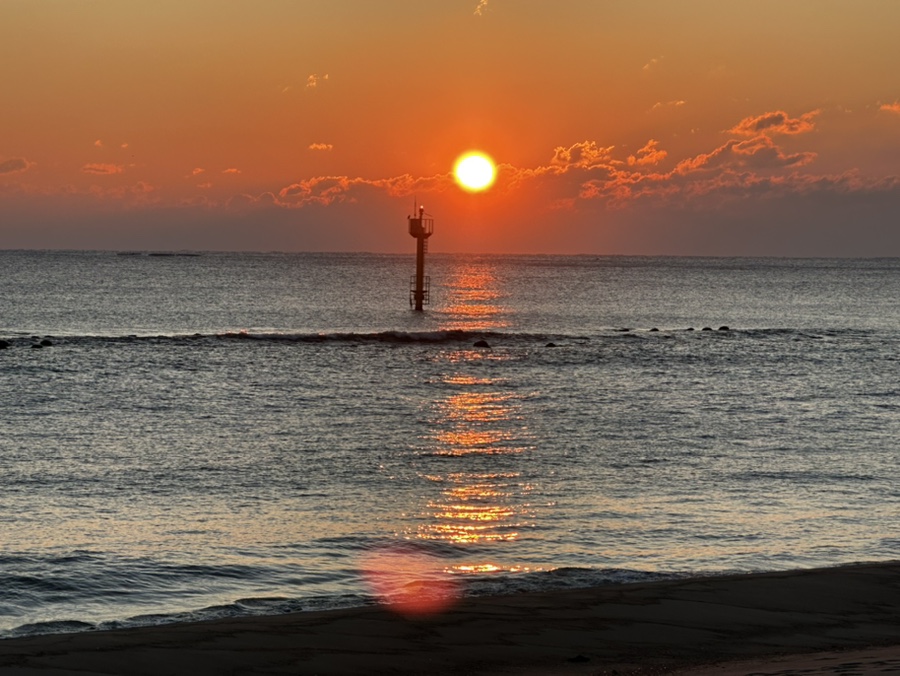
(734, 169)
(482, 5)
(319, 190)
(231, 170)
(760, 152)
(776, 122)
(891, 107)
(14, 165)
(588, 170)
(668, 104)
(325, 190)
(313, 80)
(197, 171)
(651, 64)
(100, 144)
(102, 169)
(583, 155)
(320, 146)
(648, 155)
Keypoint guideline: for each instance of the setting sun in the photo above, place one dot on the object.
(474, 171)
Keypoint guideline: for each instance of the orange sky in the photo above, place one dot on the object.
(633, 127)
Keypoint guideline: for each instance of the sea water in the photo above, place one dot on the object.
(225, 434)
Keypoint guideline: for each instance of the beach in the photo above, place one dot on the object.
(829, 620)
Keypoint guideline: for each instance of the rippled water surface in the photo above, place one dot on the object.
(257, 433)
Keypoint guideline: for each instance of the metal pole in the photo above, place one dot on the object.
(420, 268)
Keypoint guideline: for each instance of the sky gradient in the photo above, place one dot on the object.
(618, 127)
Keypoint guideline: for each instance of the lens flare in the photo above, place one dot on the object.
(474, 171)
(409, 581)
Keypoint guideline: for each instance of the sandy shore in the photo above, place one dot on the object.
(836, 620)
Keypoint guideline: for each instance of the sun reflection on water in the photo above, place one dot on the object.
(473, 302)
(483, 493)
(467, 380)
(475, 508)
(476, 422)
(472, 460)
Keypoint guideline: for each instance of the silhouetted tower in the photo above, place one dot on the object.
(420, 285)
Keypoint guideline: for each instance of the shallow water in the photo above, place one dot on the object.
(248, 433)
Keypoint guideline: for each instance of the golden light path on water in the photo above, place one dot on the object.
(473, 302)
(477, 505)
(476, 495)
(481, 500)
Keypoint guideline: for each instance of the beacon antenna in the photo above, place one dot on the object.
(421, 228)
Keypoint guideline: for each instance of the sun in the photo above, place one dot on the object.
(474, 171)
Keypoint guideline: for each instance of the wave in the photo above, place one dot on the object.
(441, 336)
(388, 337)
(52, 627)
(448, 336)
(557, 579)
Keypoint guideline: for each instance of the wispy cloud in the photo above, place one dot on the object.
(589, 171)
(14, 165)
(320, 146)
(100, 144)
(760, 152)
(776, 122)
(668, 104)
(648, 155)
(100, 169)
(651, 64)
(891, 107)
(582, 155)
(197, 171)
(326, 190)
(482, 5)
(231, 170)
(319, 190)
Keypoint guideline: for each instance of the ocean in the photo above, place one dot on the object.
(221, 434)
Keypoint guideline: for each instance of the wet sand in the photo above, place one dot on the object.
(835, 620)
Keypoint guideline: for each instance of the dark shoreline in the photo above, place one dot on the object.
(707, 625)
